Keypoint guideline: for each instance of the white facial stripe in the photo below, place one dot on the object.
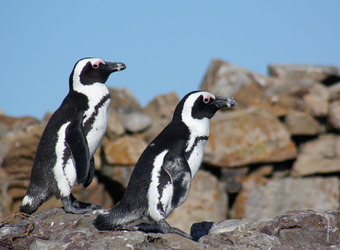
(197, 127)
(153, 194)
(79, 67)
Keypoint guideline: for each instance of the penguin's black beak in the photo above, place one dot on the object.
(115, 66)
(224, 102)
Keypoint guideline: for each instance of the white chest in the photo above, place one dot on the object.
(98, 127)
(196, 157)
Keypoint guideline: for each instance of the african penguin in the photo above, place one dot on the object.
(71, 137)
(162, 177)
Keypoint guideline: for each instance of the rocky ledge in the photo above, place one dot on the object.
(55, 229)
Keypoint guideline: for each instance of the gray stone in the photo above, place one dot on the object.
(136, 122)
(301, 123)
(262, 198)
(334, 115)
(321, 155)
(56, 229)
(225, 79)
(302, 73)
(334, 92)
(123, 101)
(304, 229)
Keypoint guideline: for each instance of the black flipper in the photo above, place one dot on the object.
(77, 143)
(90, 175)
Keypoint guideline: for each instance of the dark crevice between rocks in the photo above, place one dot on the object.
(331, 79)
(114, 188)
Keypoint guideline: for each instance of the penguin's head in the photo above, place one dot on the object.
(201, 105)
(88, 71)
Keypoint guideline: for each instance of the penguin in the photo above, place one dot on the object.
(162, 177)
(72, 135)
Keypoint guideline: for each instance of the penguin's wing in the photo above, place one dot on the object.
(180, 175)
(77, 143)
(90, 175)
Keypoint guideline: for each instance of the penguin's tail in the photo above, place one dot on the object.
(115, 219)
(28, 205)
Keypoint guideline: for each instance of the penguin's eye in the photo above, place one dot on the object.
(95, 66)
(206, 100)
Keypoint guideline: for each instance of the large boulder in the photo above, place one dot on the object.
(226, 79)
(262, 198)
(321, 155)
(247, 136)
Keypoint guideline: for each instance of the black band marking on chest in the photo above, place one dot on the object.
(89, 123)
(197, 140)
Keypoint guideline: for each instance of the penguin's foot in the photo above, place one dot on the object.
(72, 205)
(163, 227)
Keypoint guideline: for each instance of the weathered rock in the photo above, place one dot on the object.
(20, 152)
(232, 178)
(206, 201)
(264, 197)
(303, 73)
(115, 127)
(56, 229)
(321, 155)
(334, 115)
(121, 174)
(247, 136)
(123, 101)
(8, 123)
(334, 92)
(318, 105)
(162, 107)
(294, 230)
(136, 122)
(225, 79)
(125, 150)
(251, 95)
(301, 123)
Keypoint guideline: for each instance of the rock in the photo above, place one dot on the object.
(162, 106)
(136, 122)
(301, 123)
(247, 136)
(8, 123)
(161, 110)
(321, 155)
(318, 105)
(225, 79)
(120, 174)
(334, 92)
(115, 126)
(304, 229)
(262, 198)
(123, 101)
(251, 95)
(206, 201)
(303, 73)
(334, 115)
(55, 229)
(125, 150)
(232, 178)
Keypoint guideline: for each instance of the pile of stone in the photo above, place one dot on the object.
(278, 150)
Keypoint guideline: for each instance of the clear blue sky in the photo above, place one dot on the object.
(166, 45)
